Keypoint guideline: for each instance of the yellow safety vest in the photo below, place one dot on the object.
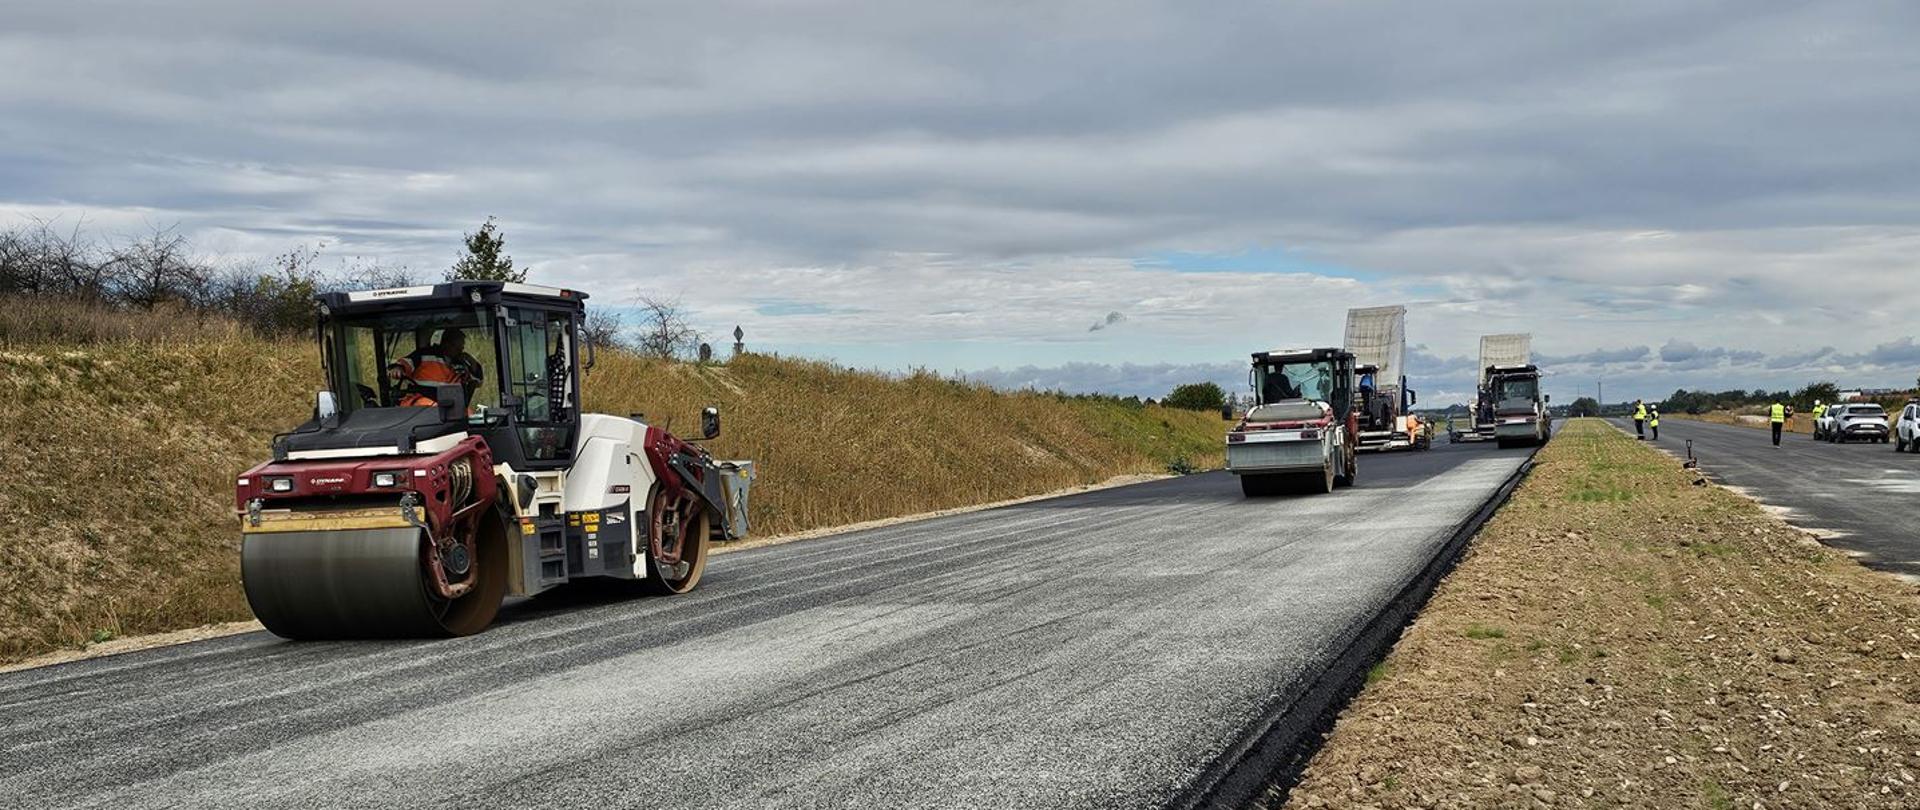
(1779, 412)
(1640, 412)
(1654, 419)
(1819, 411)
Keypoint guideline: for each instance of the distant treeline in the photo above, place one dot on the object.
(161, 270)
(1684, 401)
(64, 272)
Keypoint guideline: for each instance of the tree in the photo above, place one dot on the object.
(1585, 406)
(605, 329)
(156, 268)
(1204, 396)
(664, 330)
(368, 274)
(483, 260)
(1816, 392)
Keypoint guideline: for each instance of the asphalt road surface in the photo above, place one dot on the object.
(1857, 497)
(1108, 649)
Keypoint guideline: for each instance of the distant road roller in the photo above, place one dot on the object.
(1302, 433)
(447, 465)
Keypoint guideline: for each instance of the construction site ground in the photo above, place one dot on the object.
(1626, 634)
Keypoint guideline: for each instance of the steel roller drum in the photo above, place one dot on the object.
(360, 583)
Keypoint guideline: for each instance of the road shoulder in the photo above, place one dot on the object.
(1620, 635)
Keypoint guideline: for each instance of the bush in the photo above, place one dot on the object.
(1197, 397)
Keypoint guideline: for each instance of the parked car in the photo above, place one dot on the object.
(1906, 431)
(1846, 423)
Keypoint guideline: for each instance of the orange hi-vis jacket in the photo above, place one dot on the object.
(428, 369)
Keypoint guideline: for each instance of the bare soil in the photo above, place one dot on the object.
(1619, 636)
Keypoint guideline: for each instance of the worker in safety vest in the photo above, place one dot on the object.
(1640, 419)
(1653, 420)
(445, 363)
(1777, 416)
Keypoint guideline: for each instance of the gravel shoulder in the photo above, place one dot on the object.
(1622, 636)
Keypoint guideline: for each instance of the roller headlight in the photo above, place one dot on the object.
(280, 484)
(386, 479)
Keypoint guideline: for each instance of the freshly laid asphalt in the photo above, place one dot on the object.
(1107, 649)
(1857, 497)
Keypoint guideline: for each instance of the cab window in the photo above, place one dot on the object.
(361, 349)
(539, 381)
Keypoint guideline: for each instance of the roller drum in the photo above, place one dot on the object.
(363, 583)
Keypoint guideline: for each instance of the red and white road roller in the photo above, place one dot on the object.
(447, 465)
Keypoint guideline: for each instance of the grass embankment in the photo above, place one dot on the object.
(1618, 636)
(116, 492)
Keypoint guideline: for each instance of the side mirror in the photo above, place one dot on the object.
(1547, 398)
(1413, 397)
(527, 486)
(709, 422)
(325, 408)
(1226, 412)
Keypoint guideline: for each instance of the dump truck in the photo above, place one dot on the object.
(1377, 338)
(1300, 434)
(447, 465)
(1508, 405)
(1519, 410)
(1508, 350)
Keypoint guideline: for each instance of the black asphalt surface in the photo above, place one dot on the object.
(1860, 498)
(1109, 649)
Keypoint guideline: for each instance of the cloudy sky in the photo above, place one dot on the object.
(1109, 195)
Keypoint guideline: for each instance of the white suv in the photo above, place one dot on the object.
(1907, 431)
(1846, 423)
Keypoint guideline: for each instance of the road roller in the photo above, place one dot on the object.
(447, 465)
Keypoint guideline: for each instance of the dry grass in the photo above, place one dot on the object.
(835, 446)
(121, 442)
(54, 321)
(1619, 637)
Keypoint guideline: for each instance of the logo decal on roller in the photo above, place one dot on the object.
(321, 482)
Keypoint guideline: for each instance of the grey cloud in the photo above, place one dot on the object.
(1111, 319)
(1679, 351)
(1422, 362)
(1597, 357)
(1124, 379)
(1801, 359)
(1685, 355)
(1902, 352)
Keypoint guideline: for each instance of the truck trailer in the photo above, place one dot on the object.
(1377, 338)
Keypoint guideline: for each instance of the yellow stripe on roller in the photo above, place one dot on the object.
(324, 521)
